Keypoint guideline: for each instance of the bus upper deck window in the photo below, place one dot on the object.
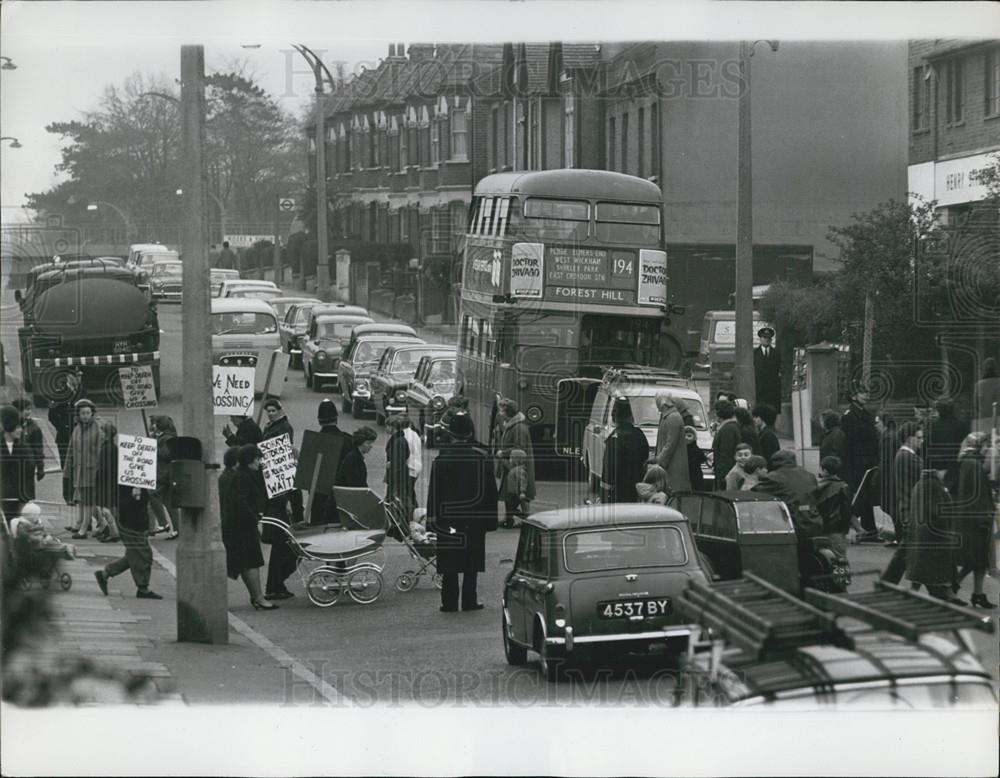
(503, 208)
(486, 223)
(474, 214)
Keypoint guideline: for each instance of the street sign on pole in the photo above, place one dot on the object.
(286, 204)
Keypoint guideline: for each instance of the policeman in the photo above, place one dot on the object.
(767, 369)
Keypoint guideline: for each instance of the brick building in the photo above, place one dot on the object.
(409, 138)
(954, 93)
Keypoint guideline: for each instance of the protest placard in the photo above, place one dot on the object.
(138, 389)
(232, 390)
(136, 461)
(278, 465)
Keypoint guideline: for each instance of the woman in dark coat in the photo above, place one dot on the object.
(164, 430)
(930, 540)
(397, 474)
(625, 455)
(352, 470)
(462, 508)
(861, 453)
(887, 448)
(975, 512)
(15, 463)
(229, 462)
(245, 500)
(31, 435)
(62, 414)
(324, 506)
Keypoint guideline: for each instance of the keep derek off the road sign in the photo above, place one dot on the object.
(278, 465)
(136, 461)
(232, 390)
(138, 389)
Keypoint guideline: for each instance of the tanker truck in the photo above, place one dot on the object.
(91, 319)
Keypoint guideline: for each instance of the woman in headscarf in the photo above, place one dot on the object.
(82, 460)
(975, 512)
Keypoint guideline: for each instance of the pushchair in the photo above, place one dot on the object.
(36, 555)
(424, 553)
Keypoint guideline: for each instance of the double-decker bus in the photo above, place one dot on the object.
(564, 275)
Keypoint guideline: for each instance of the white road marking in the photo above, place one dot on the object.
(329, 692)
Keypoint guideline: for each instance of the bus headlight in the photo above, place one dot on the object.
(321, 357)
(438, 403)
(400, 395)
(534, 414)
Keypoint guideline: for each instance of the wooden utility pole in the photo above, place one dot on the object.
(202, 605)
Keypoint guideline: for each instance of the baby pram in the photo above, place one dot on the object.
(424, 553)
(334, 560)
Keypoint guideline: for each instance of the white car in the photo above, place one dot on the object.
(244, 287)
(245, 334)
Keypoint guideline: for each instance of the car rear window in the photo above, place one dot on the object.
(762, 517)
(620, 548)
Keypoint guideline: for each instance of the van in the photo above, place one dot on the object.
(717, 355)
(245, 334)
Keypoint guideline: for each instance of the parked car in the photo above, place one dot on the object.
(427, 398)
(393, 375)
(165, 280)
(640, 387)
(231, 285)
(361, 355)
(291, 328)
(282, 304)
(218, 275)
(323, 345)
(598, 580)
(136, 250)
(245, 333)
(744, 532)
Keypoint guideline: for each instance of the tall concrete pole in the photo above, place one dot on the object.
(202, 606)
(743, 369)
(323, 259)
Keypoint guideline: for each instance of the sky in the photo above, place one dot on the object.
(67, 53)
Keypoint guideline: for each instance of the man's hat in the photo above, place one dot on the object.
(460, 426)
(327, 412)
(765, 332)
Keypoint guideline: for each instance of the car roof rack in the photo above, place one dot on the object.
(904, 612)
(643, 374)
(758, 617)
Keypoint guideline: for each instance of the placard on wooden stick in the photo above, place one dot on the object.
(138, 387)
(232, 390)
(278, 465)
(136, 461)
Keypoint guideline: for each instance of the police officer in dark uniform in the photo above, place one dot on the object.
(461, 508)
(767, 369)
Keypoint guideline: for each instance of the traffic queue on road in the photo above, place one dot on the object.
(587, 583)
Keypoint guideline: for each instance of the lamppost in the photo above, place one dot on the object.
(222, 208)
(323, 260)
(743, 376)
(14, 142)
(129, 231)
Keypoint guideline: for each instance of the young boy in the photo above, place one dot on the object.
(833, 502)
(736, 476)
(516, 488)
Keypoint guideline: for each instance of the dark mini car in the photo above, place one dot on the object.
(427, 398)
(395, 371)
(166, 279)
(598, 580)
